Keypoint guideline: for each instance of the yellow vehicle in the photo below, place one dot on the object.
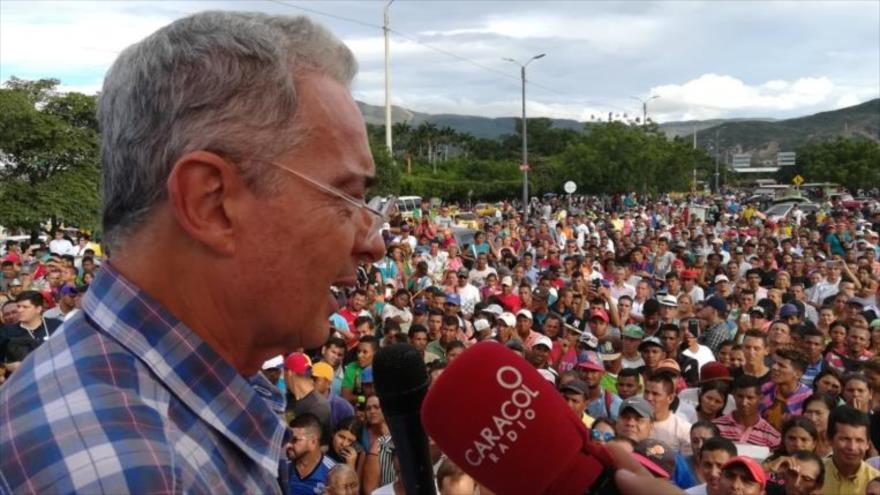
(467, 220)
(485, 209)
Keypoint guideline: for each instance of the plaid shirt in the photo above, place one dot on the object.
(124, 398)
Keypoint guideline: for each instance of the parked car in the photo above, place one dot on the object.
(780, 211)
(847, 201)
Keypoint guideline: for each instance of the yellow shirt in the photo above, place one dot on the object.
(835, 484)
(588, 420)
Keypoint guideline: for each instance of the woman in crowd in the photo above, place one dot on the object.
(344, 446)
(798, 434)
(685, 307)
(602, 430)
(829, 381)
(711, 400)
(375, 435)
(817, 408)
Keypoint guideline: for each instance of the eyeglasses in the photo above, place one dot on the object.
(378, 208)
(605, 436)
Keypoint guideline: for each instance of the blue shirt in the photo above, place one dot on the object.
(597, 407)
(124, 398)
(812, 371)
(311, 484)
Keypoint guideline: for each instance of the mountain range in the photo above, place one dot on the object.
(761, 137)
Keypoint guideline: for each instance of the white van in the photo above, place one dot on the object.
(407, 204)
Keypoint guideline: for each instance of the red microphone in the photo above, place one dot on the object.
(509, 428)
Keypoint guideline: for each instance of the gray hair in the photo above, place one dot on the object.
(339, 470)
(214, 81)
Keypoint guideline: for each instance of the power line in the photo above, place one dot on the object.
(448, 53)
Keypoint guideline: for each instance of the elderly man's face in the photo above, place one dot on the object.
(334, 152)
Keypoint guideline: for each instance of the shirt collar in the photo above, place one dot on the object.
(240, 408)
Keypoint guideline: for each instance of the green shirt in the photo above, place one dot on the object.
(435, 347)
(351, 377)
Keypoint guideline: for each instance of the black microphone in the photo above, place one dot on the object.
(401, 381)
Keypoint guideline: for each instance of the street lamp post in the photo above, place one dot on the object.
(525, 139)
(645, 107)
(386, 29)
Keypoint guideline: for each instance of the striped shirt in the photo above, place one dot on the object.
(125, 398)
(794, 403)
(846, 364)
(760, 434)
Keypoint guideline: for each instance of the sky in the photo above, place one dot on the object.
(702, 60)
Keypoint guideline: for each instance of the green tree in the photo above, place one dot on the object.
(852, 163)
(49, 153)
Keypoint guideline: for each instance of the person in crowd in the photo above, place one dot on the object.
(801, 473)
(344, 446)
(857, 391)
(755, 351)
(340, 409)
(817, 408)
(701, 431)
(309, 467)
(846, 471)
(670, 428)
(602, 430)
(784, 395)
(352, 385)
(631, 339)
(670, 336)
(600, 402)
(374, 439)
(303, 398)
(20, 338)
(713, 455)
(742, 475)
(629, 383)
(798, 434)
(813, 344)
(636, 419)
(712, 400)
(830, 382)
(342, 479)
(745, 424)
(452, 480)
(575, 392)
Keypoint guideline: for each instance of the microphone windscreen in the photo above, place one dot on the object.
(401, 378)
(509, 428)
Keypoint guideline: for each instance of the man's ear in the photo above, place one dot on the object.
(205, 192)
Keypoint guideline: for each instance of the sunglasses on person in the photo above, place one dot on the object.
(605, 436)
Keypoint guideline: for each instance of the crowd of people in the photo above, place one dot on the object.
(732, 354)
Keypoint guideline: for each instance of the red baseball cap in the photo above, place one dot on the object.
(754, 469)
(599, 313)
(591, 361)
(298, 363)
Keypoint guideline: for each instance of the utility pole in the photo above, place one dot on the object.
(645, 107)
(387, 83)
(695, 168)
(717, 158)
(525, 139)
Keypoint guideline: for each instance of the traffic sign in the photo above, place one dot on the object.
(570, 187)
(798, 180)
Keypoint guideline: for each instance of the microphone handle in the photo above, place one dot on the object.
(413, 453)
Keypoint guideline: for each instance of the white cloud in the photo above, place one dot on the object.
(713, 95)
(72, 39)
(606, 33)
